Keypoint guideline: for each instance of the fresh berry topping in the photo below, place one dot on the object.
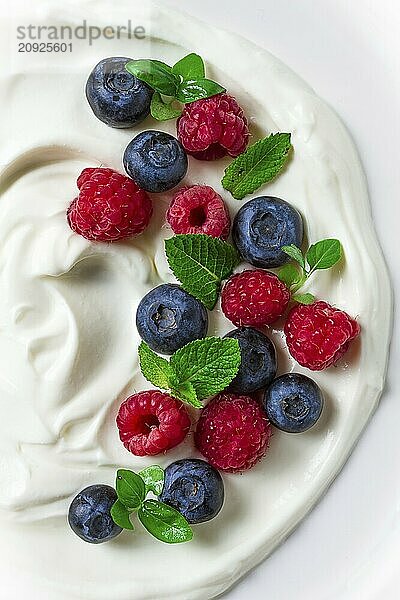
(293, 403)
(110, 207)
(156, 161)
(168, 318)
(262, 226)
(258, 366)
(194, 488)
(233, 433)
(152, 422)
(116, 97)
(199, 209)
(89, 515)
(319, 335)
(254, 298)
(212, 128)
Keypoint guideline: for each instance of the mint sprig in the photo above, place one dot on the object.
(197, 371)
(131, 489)
(153, 478)
(322, 255)
(190, 67)
(261, 163)
(201, 262)
(162, 521)
(184, 82)
(163, 111)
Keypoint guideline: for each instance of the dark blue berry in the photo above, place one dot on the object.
(156, 161)
(168, 318)
(116, 97)
(89, 514)
(258, 366)
(262, 226)
(194, 488)
(293, 403)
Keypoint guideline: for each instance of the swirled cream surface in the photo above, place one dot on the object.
(68, 342)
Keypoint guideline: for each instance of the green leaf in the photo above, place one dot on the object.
(304, 298)
(201, 262)
(261, 163)
(198, 89)
(295, 253)
(209, 365)
(164, 522)
(324, 254)
(186, 393)
(290, 275)
(162, 111)
(155, 369)
(190, 67)
(153, 477)
(156, 74)
(131, 489)
(121, 516)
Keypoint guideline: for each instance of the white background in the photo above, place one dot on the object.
(349, 51)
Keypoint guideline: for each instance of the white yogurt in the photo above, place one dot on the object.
(68, 342)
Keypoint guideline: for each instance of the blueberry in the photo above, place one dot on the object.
(168, 318)
(89, 514)
(194, 488)
(116, 97)
(293, 403)
(262, 226)
(258, 366)
(156, 161)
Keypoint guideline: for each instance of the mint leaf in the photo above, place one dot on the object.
(164, 522)
(201, 262)
(289, 275)
(131, 489)
(261, 163)
(197, 89)
(295, 253)
(304, 298)
(190, 67)
(185, 392)
(156, 74)
(209, 365)
(121, 516)
(153, 477)
(324, 254)
(162, 111)
(155, 369)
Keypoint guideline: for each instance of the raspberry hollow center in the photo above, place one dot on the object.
(197, 216)
(146, 423)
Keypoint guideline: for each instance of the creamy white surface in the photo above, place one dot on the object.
(69, 345)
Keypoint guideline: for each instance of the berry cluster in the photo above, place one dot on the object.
(234, 429)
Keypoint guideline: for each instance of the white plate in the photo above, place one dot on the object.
(323, 48)
(348, 548)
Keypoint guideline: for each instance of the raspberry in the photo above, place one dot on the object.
(212, 128)
(151, 422)
(109, 207)
(199, 209)
(233, 433)
(319, 335)
(254, 298)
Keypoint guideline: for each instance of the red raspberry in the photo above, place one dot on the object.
(319, 335)
(152, 422)
(212, 128)
(199, 209)
(233, 433)
(109, 207)
(254, 298)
